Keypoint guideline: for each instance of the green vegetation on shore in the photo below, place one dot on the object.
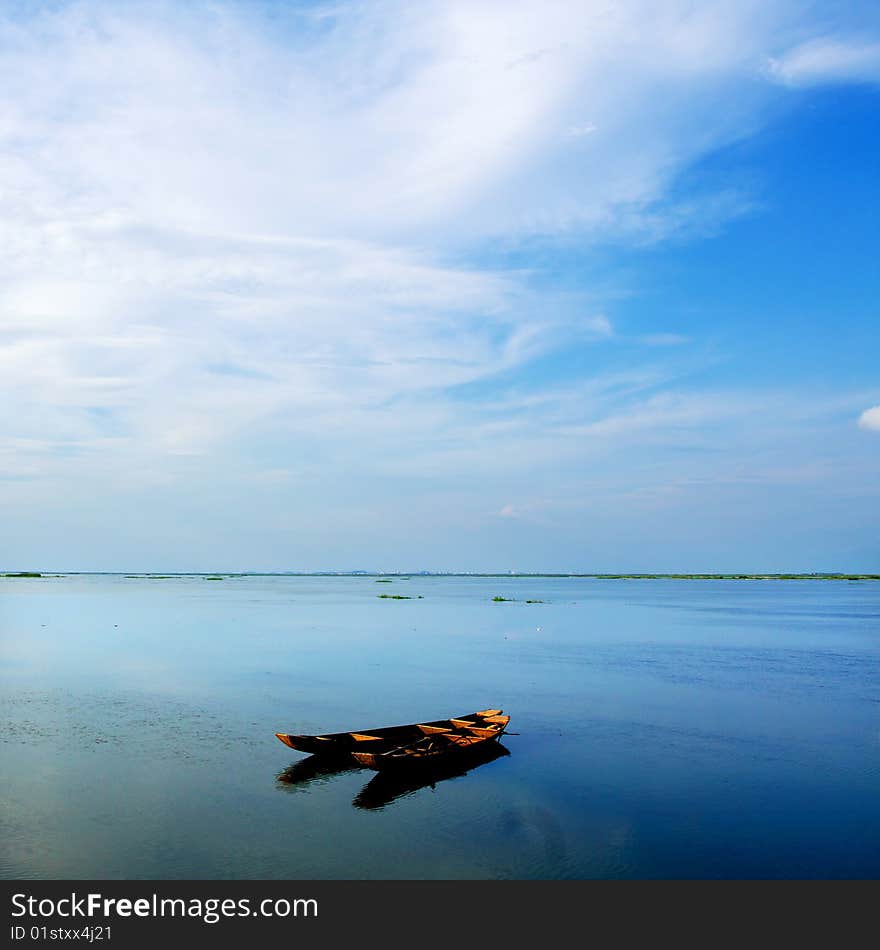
(739, 577)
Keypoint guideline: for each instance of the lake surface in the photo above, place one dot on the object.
(663, 728)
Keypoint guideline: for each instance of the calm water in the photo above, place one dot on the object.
(666, 729)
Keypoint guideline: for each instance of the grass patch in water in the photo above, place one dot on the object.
(740, 577)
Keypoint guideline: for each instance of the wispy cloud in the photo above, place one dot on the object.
(187, 191)
(828, 60)
(244, 241)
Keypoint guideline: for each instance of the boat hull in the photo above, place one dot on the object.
(343, 744)
(434, 752)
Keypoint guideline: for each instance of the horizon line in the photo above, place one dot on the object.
(745, 575)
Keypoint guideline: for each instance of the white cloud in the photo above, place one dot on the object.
(530, 511)
(870, 419)
(828, 60)
(192, 187)
(576, 131)
(221, 229)
(389, 123)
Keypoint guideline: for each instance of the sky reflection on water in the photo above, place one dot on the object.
(663, 728)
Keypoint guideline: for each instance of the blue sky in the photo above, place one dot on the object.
(447, 286)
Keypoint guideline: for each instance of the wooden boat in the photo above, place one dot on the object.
(437, 748)
(387, 738)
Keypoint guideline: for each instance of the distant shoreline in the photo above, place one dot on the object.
(220, 575)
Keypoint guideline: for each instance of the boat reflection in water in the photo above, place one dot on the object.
(314, 770)
(387, 787)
